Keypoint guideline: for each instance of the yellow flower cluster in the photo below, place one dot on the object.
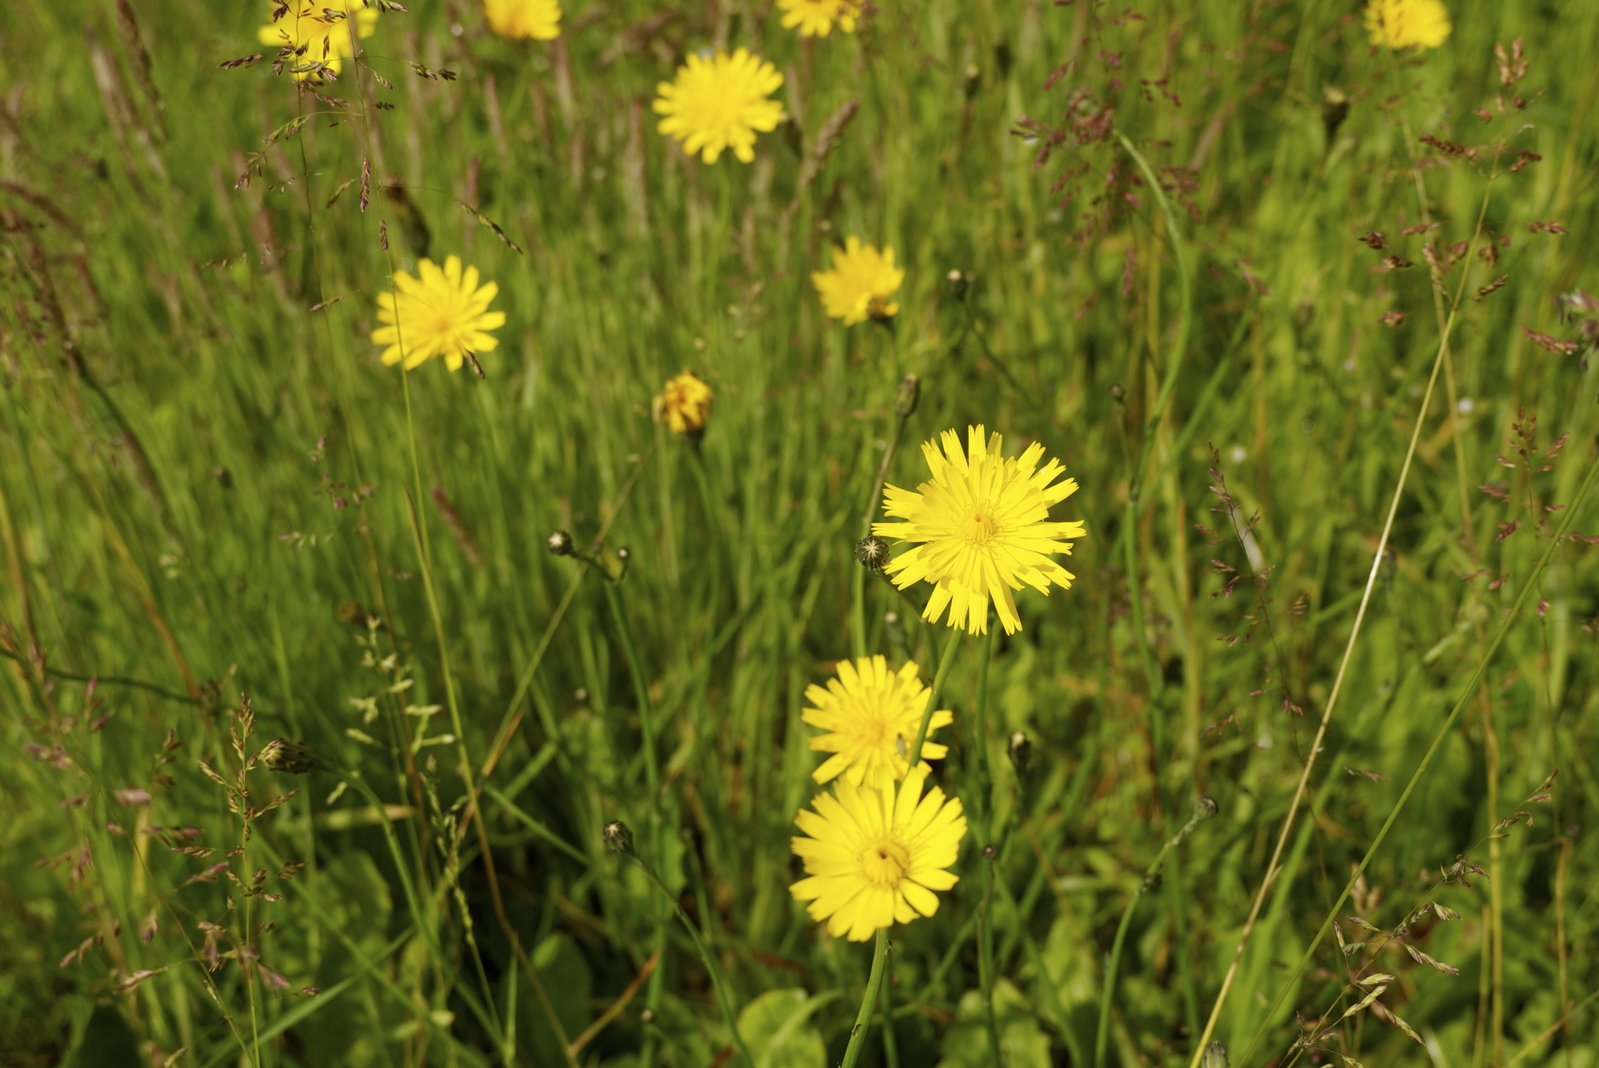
(877, 846)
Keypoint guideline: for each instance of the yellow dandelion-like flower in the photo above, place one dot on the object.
(1407, 23)
(982, 524)
(871, 716)
(720, 102)
(874, 855)
(684, 404)
(860, 283)
(319, 32)
(440, 312)
(538, 19)
(816, 18)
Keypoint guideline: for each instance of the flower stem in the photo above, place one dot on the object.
(945, 662)
(718, 983)
(863, 1018)
(652, 776)
(1148, 883)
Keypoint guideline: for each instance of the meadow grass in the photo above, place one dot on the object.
(1300, 766)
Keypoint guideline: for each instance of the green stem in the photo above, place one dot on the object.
(945, 662)
(863, 1018)
(652, 776)
(1146, 884)
(718, 983)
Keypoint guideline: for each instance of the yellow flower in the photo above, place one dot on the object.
(319, 32)
(860, 283)
(874, 855)
(816, 18)
(538, 19)
(982, 524)
(684, 405)
(720, 103)
(1407, 23)
(871, 717)
(440, 313)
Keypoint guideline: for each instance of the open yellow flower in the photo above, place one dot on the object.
(816, 18)
(538, 19)
(1407, 23)
(319, 31)
(720, 102)
(982, 529)
(871, 716)
(860, 282)
(874, 856)
(684, 405)
(440, 312)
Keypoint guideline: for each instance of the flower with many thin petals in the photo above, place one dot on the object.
(871, 717)
(860, 282)
(684, 405)
(874, 855)
(538, 19)
(816, 18)
(438, 312)
(720, 102)
(1407, 23)
(317, 33)
(981, 527)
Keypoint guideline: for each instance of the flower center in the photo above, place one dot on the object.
(984, 527)
(884, 862)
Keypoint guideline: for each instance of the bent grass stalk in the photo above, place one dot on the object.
(1439, 737)
(1348, 653)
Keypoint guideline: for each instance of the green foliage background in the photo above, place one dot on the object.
(209, 487)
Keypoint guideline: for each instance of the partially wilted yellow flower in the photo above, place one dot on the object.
(438, 313)
(816, 18)
(319, 32)
(538, 19)
(720, 102)
(860, 283)
(871, 717)
(874, 855)
(982, 527)
(1407, 23)
(684, 404)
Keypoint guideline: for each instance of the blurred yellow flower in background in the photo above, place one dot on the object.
(538, 19)
(982, 527)
(871, 717)
(684, 404)
(816, 18)
(319, 31)
(859, 284)
(440, 312)
(1407, 23)
(720, 103)
(874, 855)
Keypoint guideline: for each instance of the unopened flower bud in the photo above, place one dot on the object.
(910, 392)
(1021, 753)
(959, 282)
(1215, 1056)
(872, 552)
(289, 757)
(619, 838)
(559, 543)
(1205, 807)
(1334, 109)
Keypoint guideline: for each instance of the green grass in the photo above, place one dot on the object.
(210, 487)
